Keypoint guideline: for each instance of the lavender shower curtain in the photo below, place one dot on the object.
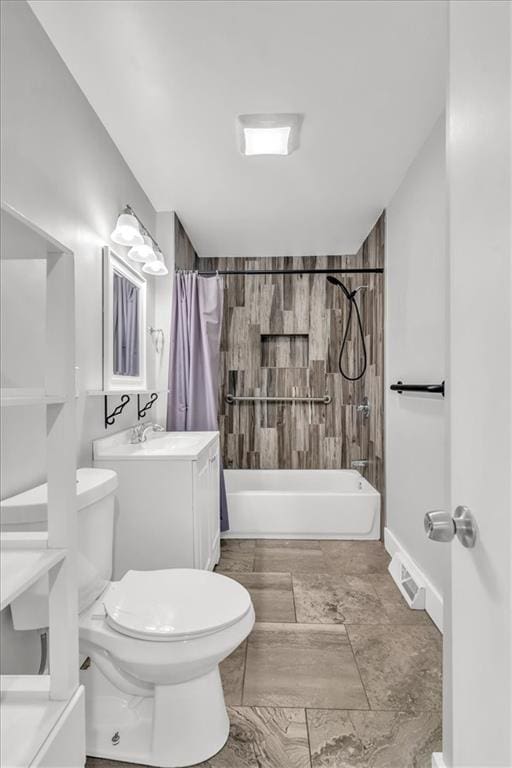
(194, 360)
(126, 327)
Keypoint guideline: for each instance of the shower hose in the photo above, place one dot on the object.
(350, 296)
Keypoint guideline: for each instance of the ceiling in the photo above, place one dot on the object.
(168, 79)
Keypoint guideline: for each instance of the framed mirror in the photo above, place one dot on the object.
(124, 323)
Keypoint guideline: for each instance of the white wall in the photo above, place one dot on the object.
(416, 351)
(62, 171)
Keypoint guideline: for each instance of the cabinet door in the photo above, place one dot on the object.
(202, 501)
(214, 505)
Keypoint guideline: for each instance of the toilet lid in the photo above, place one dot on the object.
(174, 604)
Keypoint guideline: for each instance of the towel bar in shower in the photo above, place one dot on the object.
(231, 399)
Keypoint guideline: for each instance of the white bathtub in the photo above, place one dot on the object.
(301, 504)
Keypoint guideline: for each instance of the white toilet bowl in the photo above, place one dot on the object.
(155, 640)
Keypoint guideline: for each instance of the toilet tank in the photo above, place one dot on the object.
(27, 511)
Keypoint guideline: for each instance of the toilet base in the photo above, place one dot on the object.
(181, 725)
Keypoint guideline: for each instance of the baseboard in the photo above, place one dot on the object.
(437, 760)
(433, 600)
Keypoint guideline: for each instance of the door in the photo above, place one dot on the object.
(478, 635)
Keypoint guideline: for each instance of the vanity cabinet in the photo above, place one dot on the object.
(167, 512)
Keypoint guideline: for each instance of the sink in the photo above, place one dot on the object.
(170, 445)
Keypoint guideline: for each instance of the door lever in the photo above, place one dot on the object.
(441, 526)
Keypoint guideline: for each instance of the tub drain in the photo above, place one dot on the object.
(116, 738)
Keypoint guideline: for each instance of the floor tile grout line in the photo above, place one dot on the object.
(308, 736)
(401, 710)
(358, 668)
(293, 597)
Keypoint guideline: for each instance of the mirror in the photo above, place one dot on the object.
(124, 321)
(125, 326)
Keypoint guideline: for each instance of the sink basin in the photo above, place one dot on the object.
(162, 445)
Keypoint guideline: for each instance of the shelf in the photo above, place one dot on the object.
(19, 396)
(20, 568)
(24, 540)
(22, 239)
(111, 392)
(28, 716)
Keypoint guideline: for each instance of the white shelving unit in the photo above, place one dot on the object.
(42, 717)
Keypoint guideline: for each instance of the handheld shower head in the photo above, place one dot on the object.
(334, 281)
(350, 296)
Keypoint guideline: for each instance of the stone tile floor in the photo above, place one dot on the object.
(338, 671)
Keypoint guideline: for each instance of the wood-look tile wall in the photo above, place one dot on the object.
(281, 337)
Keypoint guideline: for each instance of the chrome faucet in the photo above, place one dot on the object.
(150, 428)
(140, 432)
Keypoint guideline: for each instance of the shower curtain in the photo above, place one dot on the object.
(194, 360)
(126, 327)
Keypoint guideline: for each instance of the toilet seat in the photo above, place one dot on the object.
(175, 604)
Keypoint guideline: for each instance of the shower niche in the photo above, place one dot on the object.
(284, 350)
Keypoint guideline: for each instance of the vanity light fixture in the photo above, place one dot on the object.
(143, 252)
(157, 265)
(131, 231)
(127, 230)
(269, 134)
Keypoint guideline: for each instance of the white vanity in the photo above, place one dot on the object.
(167, 500)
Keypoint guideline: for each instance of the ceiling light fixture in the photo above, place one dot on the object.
(275, 134)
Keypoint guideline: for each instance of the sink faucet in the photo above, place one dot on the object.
(140, 432)
(150, 428)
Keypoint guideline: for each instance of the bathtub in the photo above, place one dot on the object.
(301, 504)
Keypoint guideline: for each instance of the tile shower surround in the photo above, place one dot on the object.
(281, 336)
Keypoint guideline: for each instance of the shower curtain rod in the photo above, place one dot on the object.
(336, 270)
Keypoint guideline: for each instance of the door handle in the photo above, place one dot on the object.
(441, 526)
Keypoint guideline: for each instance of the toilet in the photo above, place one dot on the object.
(150, 643)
